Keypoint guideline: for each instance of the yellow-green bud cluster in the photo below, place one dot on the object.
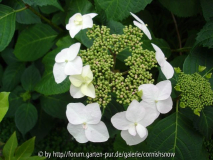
(196, 92)
(101, 57)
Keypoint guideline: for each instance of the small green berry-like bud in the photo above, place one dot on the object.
(196, 111)
(209, 75)
(201, 68)
(182, 105)
(177, 70)
(140, 93)
(177, 88)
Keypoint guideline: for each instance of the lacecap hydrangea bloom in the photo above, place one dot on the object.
(85, 123)
(78, 22)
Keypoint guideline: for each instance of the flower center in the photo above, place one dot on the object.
(136, 124)
(66, 61)
(78, 20)
(156, 101)
(84, 125)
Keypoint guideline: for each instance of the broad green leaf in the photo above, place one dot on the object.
(30, 78)
(59, 18)
(56, 105)
(26, 16)
(207, 9)
(82, 37)
(182, 8)
(204, 123)
(123, 55)
(10, 147)
(47, 85)
(43, 3)
(119, 9)
(205, 36)
(26, 117)
(7, 25)
(34, 42)
(101, 13)
(175, 134)
(25, 150)
(65, 42)
(199, 56)
(1, 74)
(48, 9)
(12, 76)
(9, 56)
(115, 27)
(4, 104)
(15, 101)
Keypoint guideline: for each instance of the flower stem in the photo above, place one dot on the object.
(186, 49)
(44, 18)
(177, 102)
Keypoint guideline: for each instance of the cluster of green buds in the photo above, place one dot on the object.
(102, 55)
(195, 89)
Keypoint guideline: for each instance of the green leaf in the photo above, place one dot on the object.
(65, 42)
(182, 8)
(10, 147)
(175, 134)
(34, 42)
(119, 9)
(115, 27)
(1, 74)
(207, 9)
(205, 36)
(4, 104)
(82, 37)
(15, 101)
(44, 3)
(26, 117)
(12, 76)
(56, 105)
(34, 158)
(26, 16)
(30, 78)
(7, 25)
(9, 56)
(25, 150)
(204, 123)
(59, 18)
(199, 56)
(48, 9)
(47, 85)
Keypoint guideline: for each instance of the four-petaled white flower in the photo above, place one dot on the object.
(85, 123)
(166, 67)
(134, 121)
(140, 24)
(67, 63)
(158, 96)
(81, 85)
(78, 22)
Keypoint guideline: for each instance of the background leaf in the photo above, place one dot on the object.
(207, 9)
(4, 104)
(47, 85)
(115, 27)
(9, 56)
(26, 117)
(119, 9)
(34, 42)
(7, 25)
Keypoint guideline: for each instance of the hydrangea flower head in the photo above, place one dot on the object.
(85, 123)
(78, 22)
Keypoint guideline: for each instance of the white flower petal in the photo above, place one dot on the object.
(120, 122)
(150, 92)
(141, 130)
(137, 18)
(151, 114)
(135, 112)
(143, 28)
(76, 80)
(165, 89)
(93, 113)
(92, 15)
(87, 22)
(167, 70)
(164, 106)
(97, 132)
(58, 72)
(75, 92)
(159, 55)
(132, 140)
(62, 56)
(74, 29)
(73, 51)
(87, 73)
(78, 132)
(74, 67)
(71, 21)
(132, 130)
(75, 113)
(88, 90)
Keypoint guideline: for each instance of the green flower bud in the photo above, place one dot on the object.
(177, 70)
(209, 75)
(201, 68)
